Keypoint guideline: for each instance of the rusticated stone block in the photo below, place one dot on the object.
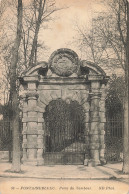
(94, 126)
(40, 146)
(94, 132)
(94, 146)
(102, 132)
(24, 127)
(102, 146)
(30, 119)
(31, 141)
(24, 141)
(40, 160)
(31, 154)
(32, 114)
(32, 125)
(102, 117)
(40, 127)
(87, 117)
(31, 146)
(32, 102)
(32, 86)
(32, 132)
(40, 141)
(25, 114)
(24, 145)
(40, 120)
(24, 132)
(40, 136)
(94, 138)
(40, 114)
(40, 132)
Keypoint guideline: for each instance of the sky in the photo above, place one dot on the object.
(62, 30)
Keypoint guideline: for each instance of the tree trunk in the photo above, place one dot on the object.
(126, 108)
(126, 138)
(35, 39)
(14, 92)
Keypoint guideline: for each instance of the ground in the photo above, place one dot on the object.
(62, 186)
(64, 179)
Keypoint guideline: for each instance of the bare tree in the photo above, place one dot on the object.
(13, 91)
(36, 17)
(108, 45)
(20, 52)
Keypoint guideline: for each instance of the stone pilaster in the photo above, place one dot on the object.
(24, 114)
(102, 124)
(86, 132)
(30, 123)
(40, 139)
(94, 123)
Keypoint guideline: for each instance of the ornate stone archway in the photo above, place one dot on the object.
(63, 77)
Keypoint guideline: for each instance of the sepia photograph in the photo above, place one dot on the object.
(64, 96)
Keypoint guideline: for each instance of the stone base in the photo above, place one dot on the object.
(103, 161)
(32, 162)
(40, 162)
(86, 162)
(93, 163)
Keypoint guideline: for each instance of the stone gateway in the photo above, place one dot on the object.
(64, 111)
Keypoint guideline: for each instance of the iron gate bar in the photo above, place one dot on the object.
(65, 143)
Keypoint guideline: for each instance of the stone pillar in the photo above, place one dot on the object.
(86, 106)
(24, 115)
(30, 122)
(40, 139)
(102, 124)
(94, 123)
(33, 122)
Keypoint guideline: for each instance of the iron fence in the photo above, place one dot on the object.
(114, 138)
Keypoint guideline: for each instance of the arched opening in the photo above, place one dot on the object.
(64, 132)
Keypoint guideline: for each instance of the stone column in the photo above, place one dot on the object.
(94, 123)
(24, 115)
(31, 121)
(102, 124)
(40, 139)
(86, 132)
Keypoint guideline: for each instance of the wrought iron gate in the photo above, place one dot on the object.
(64, 134)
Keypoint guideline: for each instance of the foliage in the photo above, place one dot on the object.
(116, 88)
(105, 43)
(36, 16)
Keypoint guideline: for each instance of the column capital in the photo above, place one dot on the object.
(95, 94)
(32, 94)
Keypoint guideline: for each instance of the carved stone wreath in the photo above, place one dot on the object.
(63, 62)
